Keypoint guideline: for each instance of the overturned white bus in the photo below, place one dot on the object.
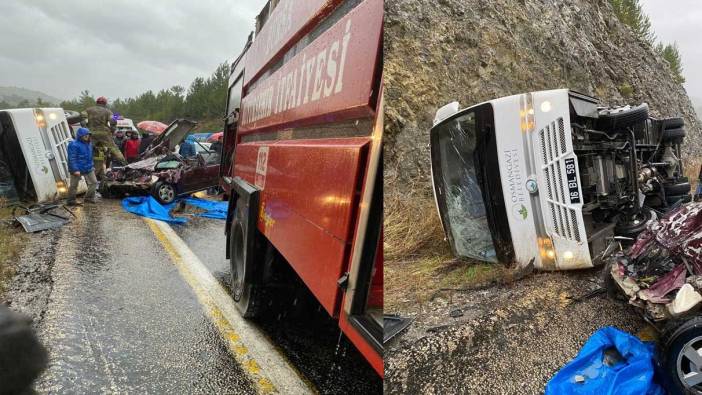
(552, 177)
(33, 157)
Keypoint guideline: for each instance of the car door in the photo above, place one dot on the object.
(203, 173)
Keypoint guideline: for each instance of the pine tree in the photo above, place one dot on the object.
(631, 14)
(205, 99)
(671, 54)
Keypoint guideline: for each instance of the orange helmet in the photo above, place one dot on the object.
(101, 100)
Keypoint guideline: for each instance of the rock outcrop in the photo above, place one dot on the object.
(476, 50)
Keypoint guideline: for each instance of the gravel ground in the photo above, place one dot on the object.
(509, 339)
(29, 289)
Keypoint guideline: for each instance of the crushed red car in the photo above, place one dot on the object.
(162, 172)
(661, 275)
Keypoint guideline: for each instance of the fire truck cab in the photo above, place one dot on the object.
(301, 163)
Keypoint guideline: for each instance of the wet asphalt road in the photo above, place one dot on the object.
(120, 319)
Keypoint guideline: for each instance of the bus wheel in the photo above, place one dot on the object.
(246, 295)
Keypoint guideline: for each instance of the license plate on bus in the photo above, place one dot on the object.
(572, 178)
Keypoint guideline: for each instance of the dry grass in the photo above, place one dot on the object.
(418, 260)
(412, 227)
(11, 242)
(692, 171)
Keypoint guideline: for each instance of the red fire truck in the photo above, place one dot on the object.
(302, 163)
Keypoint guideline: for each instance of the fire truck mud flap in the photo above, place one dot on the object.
(243, 209)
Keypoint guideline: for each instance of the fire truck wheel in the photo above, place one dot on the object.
(620, 118)
(246, 296)
(164, 192)
(679, 356)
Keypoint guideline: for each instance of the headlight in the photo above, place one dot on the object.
(548, 254)
(39, 118)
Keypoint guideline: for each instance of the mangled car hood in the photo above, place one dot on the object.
(662, 271)
(173, 135)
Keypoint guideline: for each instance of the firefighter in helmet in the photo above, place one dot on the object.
(100, 123)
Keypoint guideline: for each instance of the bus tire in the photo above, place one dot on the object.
(680, 188)
(621, 118)
(675, 135)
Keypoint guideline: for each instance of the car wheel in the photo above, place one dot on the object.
(164, 192)
(680, 360)
(622, 117)
(681, 188)
(632, 228)
(248, 297)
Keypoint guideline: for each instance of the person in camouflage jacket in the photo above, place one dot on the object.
(100, 123)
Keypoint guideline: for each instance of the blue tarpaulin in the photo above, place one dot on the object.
(147, 206)
(213, 209)
(610, 362)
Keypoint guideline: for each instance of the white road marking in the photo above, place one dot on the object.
(269, 370)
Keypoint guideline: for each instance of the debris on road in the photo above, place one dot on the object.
(147, 206)
(660, 273)
(393, 325)
(41, 217)
(611, 361)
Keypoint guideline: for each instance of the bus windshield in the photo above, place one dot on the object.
(457, 149)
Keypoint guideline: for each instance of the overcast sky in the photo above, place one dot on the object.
(118, 49)
(128, 47)
(681, 21)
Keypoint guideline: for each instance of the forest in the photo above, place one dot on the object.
(204, 101)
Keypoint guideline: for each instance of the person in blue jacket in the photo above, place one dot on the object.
(187, 148)
(80, 164)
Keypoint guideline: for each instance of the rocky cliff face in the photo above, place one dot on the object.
(476, 50)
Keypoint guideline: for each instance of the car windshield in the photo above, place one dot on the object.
(458, 190)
